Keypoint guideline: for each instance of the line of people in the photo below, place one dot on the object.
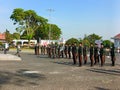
(96, 54)
(80, 53)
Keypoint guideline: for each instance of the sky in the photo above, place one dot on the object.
(76, 18)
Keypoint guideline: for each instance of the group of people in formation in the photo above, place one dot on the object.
(80, 53)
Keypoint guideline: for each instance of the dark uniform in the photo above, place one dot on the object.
(74, 53)
(66, 50)
(58, 51)
(112, 53)
(96, 56)
(69, 51)
(102, 55)
(85, 54)
(53, 51)
(49, 51)
(80, 52)
(92, 54)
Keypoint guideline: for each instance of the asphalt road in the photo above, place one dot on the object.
(37, 72)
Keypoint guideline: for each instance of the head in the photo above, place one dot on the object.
(91, 45)
(80, 44)
(102, 45)
(96, 45)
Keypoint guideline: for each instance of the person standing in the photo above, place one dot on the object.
(96, 57)
(80, 52)
(112, 53)
(85, 54)
(74, 53)
(102, 55)
(18, 50)
(91, 54)
(58, 49)
(66, 50)
(69, 51)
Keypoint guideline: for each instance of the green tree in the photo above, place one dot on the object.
(107, 43)
(8, 36)
(28, 21)
(72, 41)
(92, 37)
(55, 32)
(16, 35)
(43, 32)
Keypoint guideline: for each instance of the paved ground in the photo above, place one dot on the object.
(42, 73)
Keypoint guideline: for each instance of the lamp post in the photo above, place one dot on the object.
(50, 10)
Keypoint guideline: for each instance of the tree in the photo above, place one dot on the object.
(72, 41)
(43, 32)
(8, 36)
(107, 43)
(28, 21)
(92, 37)
(16, 35)
(55, 32)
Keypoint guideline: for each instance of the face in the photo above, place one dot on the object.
(102, 46)
(91, 45)
(96, 45)
(80, 44)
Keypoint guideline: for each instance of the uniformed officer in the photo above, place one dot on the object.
(66, 50)
(112, 53)
(80, 52)
(91, 54)
(69, 51)
(58, 51)
(102, 55)
(85, 54)
(96, 57)
(74, 53)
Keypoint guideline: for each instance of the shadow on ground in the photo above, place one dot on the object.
(63, 63)
(111, 72)
(20, 78)
(99, 88)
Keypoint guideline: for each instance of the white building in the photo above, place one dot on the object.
(34, 42)
(24, 42)
(117, 41)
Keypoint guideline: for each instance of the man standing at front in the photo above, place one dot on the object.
(80, 50)
(74, 53)
(102, 55)
(91, 54)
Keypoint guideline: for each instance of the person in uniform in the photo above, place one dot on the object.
(69, 51)
(62, 50)
(80, 52)
(91, 54)
(112, 53)
(18, 50)
(66, 50)
(85, 54)
(96, 57)
(102, 55)
(58, 51)
(74, 53)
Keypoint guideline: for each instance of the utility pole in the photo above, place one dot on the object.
(50, 11)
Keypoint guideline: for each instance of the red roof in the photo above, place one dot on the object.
(2, 36)
(117, 36)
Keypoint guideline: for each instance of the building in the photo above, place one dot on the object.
(34, 42)
(117, 41)
(2, 37)
(24, 42)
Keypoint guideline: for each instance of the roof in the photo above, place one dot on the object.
(117, 36)
(2, 36)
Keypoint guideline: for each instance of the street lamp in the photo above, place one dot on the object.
(50, 10)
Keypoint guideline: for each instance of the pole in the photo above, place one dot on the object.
(50, 10)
